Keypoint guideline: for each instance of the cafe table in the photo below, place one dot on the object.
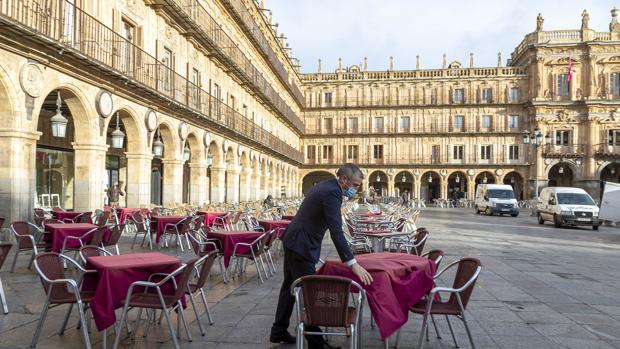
(62, 215)
(399, 281)
(270, 224)
(58, 232)
(228, 239)
(125, 212)
(160, 222)
(378, 236)
(210, 216)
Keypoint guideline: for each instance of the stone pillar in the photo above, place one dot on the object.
(471, 188)
(246, 185)
(88, 189)
(218, 186)
(390, 186)
(416, 190)
(17, 174)
(198, 183)
(444, 188)
(232, 185)
(255, 186)
(138, 189)
(173, 182)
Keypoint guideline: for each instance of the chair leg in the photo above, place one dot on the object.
(64, 323)
(84, 325)
(14, 260)
(204, 302)
(119, 330)
(118, 251)
(191, 298)
(423, 330)
(32, 259)
(435, 325)
(353, 337)
(471, 339)
(170, 327)
(300, 336)
(182, 315)
(258, 270)
(135, 236)
(37, 332)
(222, 271)
(397, 338)
(456, 344)
(5, 306)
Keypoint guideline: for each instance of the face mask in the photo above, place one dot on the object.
(350, 192)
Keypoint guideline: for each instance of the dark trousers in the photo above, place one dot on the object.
(295, 266)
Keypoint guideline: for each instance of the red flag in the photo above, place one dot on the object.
(570, 68)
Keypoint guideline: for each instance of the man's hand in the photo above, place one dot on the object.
(362, 273)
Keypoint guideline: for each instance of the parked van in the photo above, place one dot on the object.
(496, 198)
(567, 206)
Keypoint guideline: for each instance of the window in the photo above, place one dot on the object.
(353, 125)
(244, 108)
(486, 121)
(311, 152)
(563, 85)
(487, 95)
(435, 153)
(215, 101)
(328, 125)
(195, 90)
(352, 151)
(127, 32)
(378, 123)
(328, 152)
(378, 151)
(232, 102)
(613, 137)
(458, 95)
(457, 152)
(458, 122)
(405, 123)
(328, 98)
(485, 152)
(513, 152)
(513, 121)
(514, 94)
(166, 61)
(562, 137)
(614, 84)
(434, 96)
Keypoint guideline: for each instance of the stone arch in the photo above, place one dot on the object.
(379, 180)
(215, 150)
(562, 174)
(457, 185)
(516, 180)
(481, 176)
(195, 146)
(404, 181)
(315, 177)
(245, 176)
(169, 138)
(8, 94)
(135, 132)
(430, 186)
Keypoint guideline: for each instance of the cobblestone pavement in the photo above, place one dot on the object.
(540, 287)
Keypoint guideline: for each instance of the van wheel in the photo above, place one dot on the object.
(514, 214)
(556, 221)
(595, 227)
(477, 210)
(540, 219)
(488, 212)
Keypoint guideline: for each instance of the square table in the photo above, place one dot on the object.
(228, 239)
(400, 280)
(123, 213)
(274, 224)
(160, 222)
(211, 216)
(114, 276)
(58, 232)
(62, 215)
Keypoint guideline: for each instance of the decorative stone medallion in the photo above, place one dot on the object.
(471, 172)
(31, 79)
(499, 172)
(206, 139)
(104, 103)
(225, 145)
(151, 120)
(239, 150)
(183, 130)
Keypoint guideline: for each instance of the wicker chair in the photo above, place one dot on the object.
(28, 237)
(141, 225)
(103, 218)
(115, 236)
(202, 246)
(158, 301)
(203, 268)
(61, 290)
(254, 252)
(91, 237)
(178, 229)
(417, 245)
(323, 301)
(92, 251)
(5, 247)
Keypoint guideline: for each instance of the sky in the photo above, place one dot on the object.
(354, 29)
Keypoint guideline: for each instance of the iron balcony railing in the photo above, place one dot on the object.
(353, 102)
(312, 130)
(74, 30)
(443, 159)
(606, 150)
(196, 21)
(560, 151)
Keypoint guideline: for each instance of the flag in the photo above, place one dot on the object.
(570, 68)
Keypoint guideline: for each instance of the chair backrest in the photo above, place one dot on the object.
(434, 255)
(20, 230)
(5, 247)
(184, 279)
(97, 235)
(204, 266)
(270, 237)
(103, 218)
(52, 221)
(58, 209)
(115, 234)
(91, 251)
(325, 300)
(420, 240)
(139, 221)
(39, 216)
(50, 266)
(467, 268)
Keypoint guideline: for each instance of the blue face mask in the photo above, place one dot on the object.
(350, 192)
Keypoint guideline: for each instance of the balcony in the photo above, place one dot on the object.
(194, 19)
(564, 151)
(607, 151)
(108, 55)
(413, 160)
(437, 128)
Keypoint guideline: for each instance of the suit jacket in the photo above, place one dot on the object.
(319, 211)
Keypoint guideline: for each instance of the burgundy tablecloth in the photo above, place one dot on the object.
(61, 215)
(115, 274)
(289, 217)
(159, 223)
(275, 224)
(210, 216)
(399, 281)
(59, 231)
(123, 213)
(228, 239)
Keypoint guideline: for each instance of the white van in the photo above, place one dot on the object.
(496, 198)
(567, 206)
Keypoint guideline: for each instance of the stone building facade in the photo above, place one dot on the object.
(211, 107)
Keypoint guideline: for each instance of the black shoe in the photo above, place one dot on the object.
(284, 337)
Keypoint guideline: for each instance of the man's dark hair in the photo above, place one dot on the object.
(349, 170)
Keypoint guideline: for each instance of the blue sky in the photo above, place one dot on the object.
(353, 29)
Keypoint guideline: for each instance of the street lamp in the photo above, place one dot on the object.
(186, 152)
(58, 121)
(536, 140)
(118, 136)
(484, 178)
(158, 146)
(430, 178)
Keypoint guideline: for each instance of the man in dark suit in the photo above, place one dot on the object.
(319, 211)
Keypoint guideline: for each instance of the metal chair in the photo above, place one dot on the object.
(202, 246)
(115, 236)
(141, 225)
(464, 281)
(103, 218)
(158, 301)
(92, 251)
(178, 229)
(417, 245)
(28, 237)
(270, 239)
(91, 237)
(60, 290)
(254, 252)
(5, 247)
(40, 215)
(323, 301)
(202, 268)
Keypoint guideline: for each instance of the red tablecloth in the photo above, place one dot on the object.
(274, 224)
(61, 215)
(123, 213)
(159, 223)
(115, 274)
(210, 217)
(228, 239)
(399, 281)
(58, 233)
(289, 217)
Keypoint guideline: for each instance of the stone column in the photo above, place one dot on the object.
(471, 188)
(173, 182)
(255, 189)
(232, 185)
(218, 186)
(138, 189)
(198, 183)
(88, 189)
(390, 186)
(246, 185)
(17, 174)
(444, 188)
